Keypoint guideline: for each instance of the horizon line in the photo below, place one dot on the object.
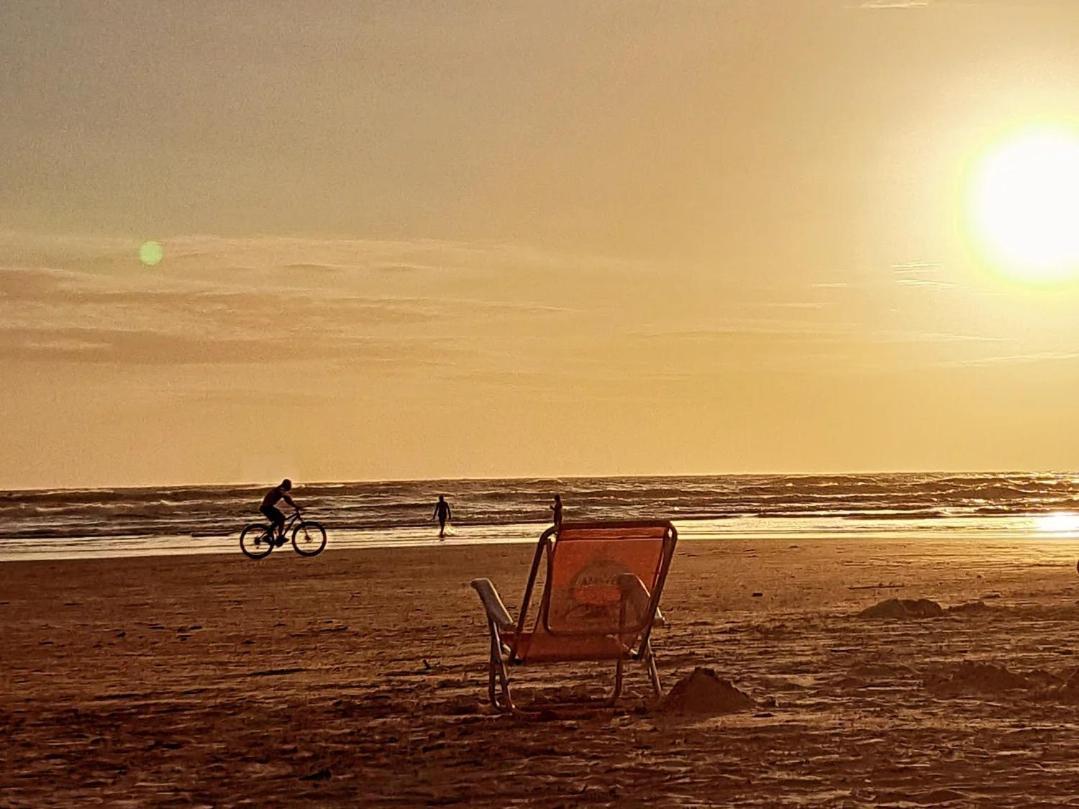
(365, 481)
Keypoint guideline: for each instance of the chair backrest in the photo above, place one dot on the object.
(587, 566)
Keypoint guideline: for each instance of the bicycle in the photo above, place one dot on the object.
(308, 537)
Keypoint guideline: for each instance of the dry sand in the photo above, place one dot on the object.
(357, 679)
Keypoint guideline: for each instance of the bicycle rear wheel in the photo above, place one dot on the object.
(255, 540)
(308, 538)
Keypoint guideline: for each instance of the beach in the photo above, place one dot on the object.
(358, 678)
(774, 303)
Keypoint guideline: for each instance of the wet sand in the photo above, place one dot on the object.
(358, 679)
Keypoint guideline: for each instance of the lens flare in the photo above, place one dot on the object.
(151, 253)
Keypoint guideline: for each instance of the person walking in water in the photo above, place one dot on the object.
(272, 513)
(556, 507)
(442, 514)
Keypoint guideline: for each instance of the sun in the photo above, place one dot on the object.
(1024, 206)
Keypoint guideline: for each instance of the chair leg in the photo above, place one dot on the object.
(653, 672)
(496, 668)
(491, 695)
(619, 667)
(507, 698)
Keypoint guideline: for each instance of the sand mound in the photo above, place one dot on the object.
(985, 678)
(981, 679)
(903, 608)
(702, 692)
(1067, 691)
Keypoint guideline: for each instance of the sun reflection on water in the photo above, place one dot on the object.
(1059, 523)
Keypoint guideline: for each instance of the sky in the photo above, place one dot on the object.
(418, 240)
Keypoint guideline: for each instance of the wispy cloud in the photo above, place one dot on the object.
(881, 4)
(793, 305)
(874, 5)
(924, 282)
(134, 347)
(486, 312)
(906, 273)
(217, 300)
(1013, 359)
(916, 267)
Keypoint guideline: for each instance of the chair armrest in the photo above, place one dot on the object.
(637, 596)
(496, 610)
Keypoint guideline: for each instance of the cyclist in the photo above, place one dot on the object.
(272, 513)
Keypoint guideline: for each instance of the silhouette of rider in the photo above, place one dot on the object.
(272, 513)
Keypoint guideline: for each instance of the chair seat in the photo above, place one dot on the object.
(534, 647)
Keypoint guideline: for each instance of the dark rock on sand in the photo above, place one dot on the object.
(704, 693)
(903, 608)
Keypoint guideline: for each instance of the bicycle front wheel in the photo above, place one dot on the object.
(255, 541)
(308, 538)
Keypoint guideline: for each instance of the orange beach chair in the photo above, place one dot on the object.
(600, 601)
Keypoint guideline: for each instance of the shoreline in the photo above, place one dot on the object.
(1026, 528)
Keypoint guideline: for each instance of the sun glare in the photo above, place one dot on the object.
(1060, 522)
(1025, 206)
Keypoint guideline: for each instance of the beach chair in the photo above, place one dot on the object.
(600, 601)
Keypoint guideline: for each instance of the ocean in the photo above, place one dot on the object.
(64, 523)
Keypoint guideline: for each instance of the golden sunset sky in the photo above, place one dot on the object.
(413, 240)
